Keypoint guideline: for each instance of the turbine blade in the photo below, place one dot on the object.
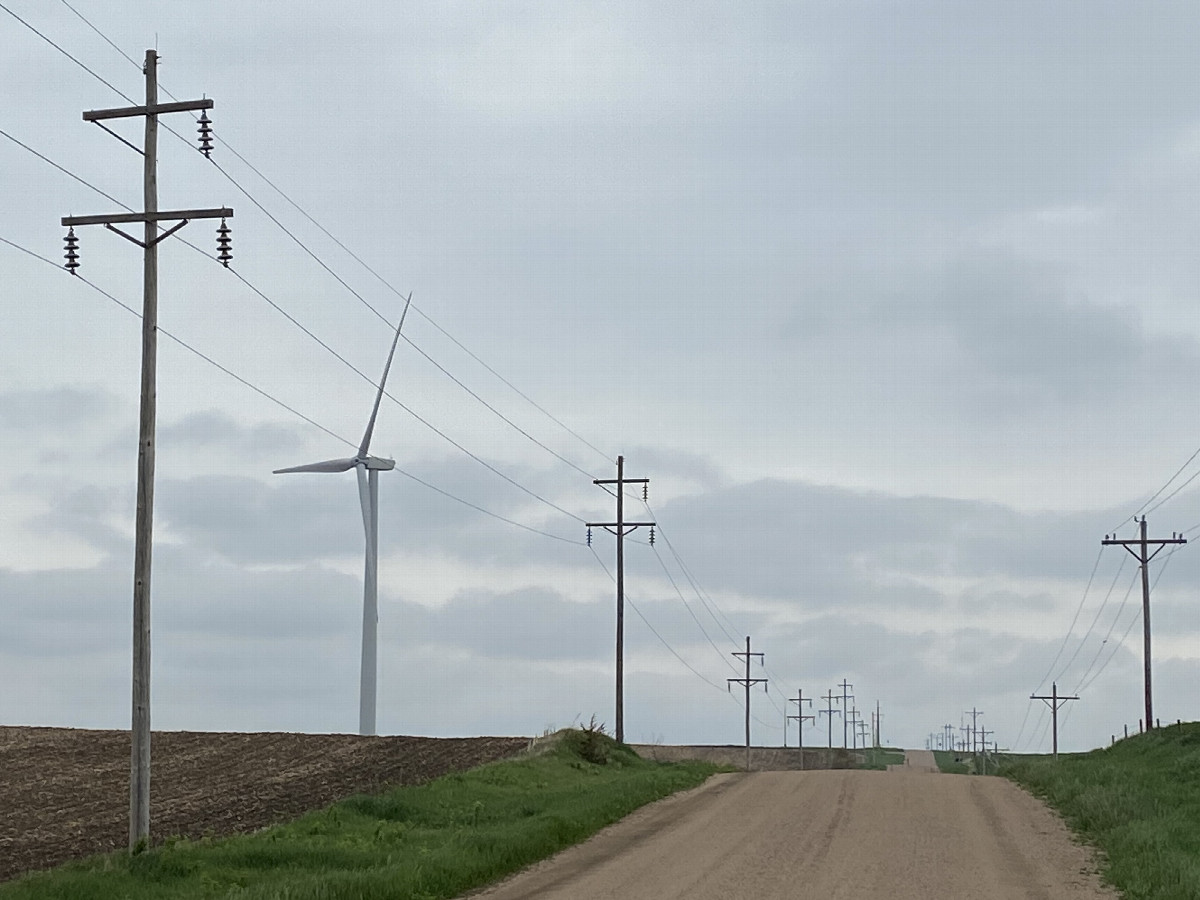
(366, 441)
(329, 465)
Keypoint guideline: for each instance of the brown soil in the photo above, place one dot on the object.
(64, 792)
(901, 835)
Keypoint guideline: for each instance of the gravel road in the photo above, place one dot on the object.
(903, 834)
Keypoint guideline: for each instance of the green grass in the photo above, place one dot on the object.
(436, 840)
(951, 763)
(1138, 801)
(882, 757)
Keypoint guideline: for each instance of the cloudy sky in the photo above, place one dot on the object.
(894, 303)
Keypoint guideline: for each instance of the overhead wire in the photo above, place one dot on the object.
(653, 630)
(1074, 620)
(344, 284)
(290, 409)
(303, 212)
(1099, 612)
(323, 344)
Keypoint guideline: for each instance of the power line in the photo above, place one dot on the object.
(653, 630)
(1075, 619)
(1099, 611)
(81, 65)
(332, 237)
(282, 405)
(691, 613)
(64, 170)
(1165, 486)
(344, 284)
(324, 345)
(132, 61)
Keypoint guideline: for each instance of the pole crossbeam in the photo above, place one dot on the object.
(620, 528)
(150, 109)
(1143, 556)
(139, 774)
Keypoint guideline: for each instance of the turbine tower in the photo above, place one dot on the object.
(368, 468)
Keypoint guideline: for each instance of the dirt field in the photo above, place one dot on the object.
(905, 834)
(65, 792)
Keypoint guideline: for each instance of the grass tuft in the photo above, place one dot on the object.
(436, 840)
(1138, 801)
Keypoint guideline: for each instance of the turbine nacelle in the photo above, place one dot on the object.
(377, 463)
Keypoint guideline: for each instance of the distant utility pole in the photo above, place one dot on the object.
(949, 736)
(748, 682)
(846, 697)
(854, 722)
(139, 778)
(829, 711)
(621, 528)
(1143, 556)
(974, 714)
(1054, 701)
(800, 718)
(983, 733)
(878, 723)
(863, 730)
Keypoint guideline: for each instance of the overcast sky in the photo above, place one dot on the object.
(894, 303)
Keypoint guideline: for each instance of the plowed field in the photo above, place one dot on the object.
(65, 792)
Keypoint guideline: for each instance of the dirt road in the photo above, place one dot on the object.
(904, 834)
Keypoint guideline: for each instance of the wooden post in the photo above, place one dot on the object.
(150, 216)
(1143, 556)
(747, 682)
(139, 777)
(619, 529)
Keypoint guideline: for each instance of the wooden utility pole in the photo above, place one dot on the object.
(1054, 701)
(974, 714)
(829, 711)
(800, 718)
(139, 781)
(747, 682)
(620, 528)
(846, 698)
(1143, 556)
(878, 726)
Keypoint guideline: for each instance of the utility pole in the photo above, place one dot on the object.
(139, 780)
(747, 682)
(829, 711)
(1143, 556)
(974, 714)
(621, 528)
(854, 722)
(878, 726)
(846, 697)
(1054, 701)
(983, 733)
(800, 718)
(863, 729)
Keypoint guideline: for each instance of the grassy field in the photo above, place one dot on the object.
(951, 763)
(437, 840)
(1138, 801)
(882, 757)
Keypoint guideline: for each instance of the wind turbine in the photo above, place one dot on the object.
(368, 468)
